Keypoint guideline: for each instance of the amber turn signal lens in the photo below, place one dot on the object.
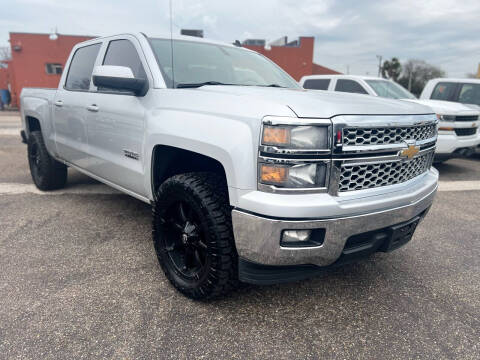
(275, 136)
(446, 128)
(273, 174)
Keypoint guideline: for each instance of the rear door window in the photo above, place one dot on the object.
(351, 86)
(81, 67)
(444, 91)
(469, 94)
(316, 84)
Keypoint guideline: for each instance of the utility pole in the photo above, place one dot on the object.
(379, 57)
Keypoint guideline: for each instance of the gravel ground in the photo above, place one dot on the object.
(79, 279)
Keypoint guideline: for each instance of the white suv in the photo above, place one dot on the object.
(458, 127)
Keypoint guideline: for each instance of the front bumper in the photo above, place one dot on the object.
(356, 247)
(258, 237)
(448, 143)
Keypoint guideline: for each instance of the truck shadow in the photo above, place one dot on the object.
(76, 178)
(459, 169)
(349, 279)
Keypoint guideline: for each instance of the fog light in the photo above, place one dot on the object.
(296, 235)
(302, 238)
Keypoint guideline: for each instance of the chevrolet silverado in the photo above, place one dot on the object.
(250, 177)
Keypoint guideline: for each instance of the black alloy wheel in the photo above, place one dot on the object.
(184, 242)
(35, 161)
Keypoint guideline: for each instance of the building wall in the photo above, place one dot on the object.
(322, 70)
(295, 60)
(31, 53)
(3, 78)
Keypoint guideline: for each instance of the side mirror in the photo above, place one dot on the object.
(119, 78)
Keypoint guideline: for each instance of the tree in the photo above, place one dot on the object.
(416, 73)
(391, 69)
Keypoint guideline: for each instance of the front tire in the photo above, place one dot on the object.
(192, 234)
(47, 173)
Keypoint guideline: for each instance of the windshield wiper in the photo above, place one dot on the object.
(196, 85)
(273, 85)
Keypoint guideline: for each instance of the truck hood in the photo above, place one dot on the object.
(473, 106)
(321, 104)
(447, 107)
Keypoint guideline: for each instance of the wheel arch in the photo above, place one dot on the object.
(32, 124)
(168, 161)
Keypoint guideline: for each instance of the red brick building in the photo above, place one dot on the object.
(38, 60)
(295, 57)
(3, 78)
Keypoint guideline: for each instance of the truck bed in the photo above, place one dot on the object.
(35, 102)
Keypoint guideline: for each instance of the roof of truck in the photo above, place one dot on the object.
(168, 37)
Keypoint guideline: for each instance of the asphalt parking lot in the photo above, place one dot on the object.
(79, 279)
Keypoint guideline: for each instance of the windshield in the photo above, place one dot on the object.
(389, 89)
(197, 64)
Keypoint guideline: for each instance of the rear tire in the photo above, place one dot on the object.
(47, 173)
(192, 234)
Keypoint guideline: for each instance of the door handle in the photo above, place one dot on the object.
(92, 108)
(59, 103)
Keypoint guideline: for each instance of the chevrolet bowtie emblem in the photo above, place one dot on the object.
(410, 152)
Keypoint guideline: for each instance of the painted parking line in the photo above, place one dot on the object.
(100, 189)
(459, 185)
(10, 120)
(10, 132)
(90, 189)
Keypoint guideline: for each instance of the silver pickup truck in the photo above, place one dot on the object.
(251, 178)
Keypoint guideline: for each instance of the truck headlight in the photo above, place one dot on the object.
(307, 175)
(445, 117)
(295, 137)
(294, 154)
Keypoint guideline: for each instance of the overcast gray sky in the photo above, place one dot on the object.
(347, 33)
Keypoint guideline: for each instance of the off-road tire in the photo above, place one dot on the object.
(47, 173)
(207, 195)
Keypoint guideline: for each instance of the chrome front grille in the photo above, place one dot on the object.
(354, 136)
(371, 175)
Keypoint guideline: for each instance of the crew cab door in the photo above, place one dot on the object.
(69, 107)
(116, 122)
